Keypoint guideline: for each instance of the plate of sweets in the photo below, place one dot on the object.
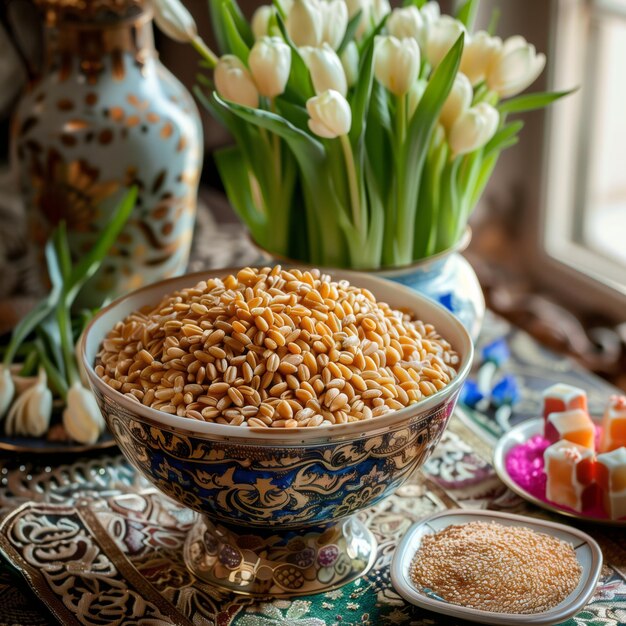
(567, 461)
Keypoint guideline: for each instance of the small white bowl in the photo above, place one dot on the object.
(587, 551)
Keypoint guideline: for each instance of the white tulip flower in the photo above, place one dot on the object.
(473, 128)
(305, 23)
(334, 22)
(458, 101)
(514, 67)
(172, 18)
(325, 68)
(441, 36)
(478, 53)
(30, 413)
(380, 8)
(396, 63)
(330, 115)
(406, 22)
(350, 63)
(430, 13)
(82, 418)
(7, 389)
(234, 82)
(260, 20)
(270, 62)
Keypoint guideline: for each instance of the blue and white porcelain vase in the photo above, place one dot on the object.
(449, 279)
(105, 115)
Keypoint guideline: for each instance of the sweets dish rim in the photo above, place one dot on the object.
(272, 436)
(520, 434)
(574, 602)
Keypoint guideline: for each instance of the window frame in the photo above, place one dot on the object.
(578, 272)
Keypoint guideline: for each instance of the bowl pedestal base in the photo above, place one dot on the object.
(279, 562)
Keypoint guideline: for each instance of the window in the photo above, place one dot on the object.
(583, 222)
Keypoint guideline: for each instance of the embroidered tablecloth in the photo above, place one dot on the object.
(88, 541)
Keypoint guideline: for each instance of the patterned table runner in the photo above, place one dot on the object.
(118, 559)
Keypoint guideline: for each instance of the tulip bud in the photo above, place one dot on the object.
(305, 23)
(396, 63)
(514, 67)
(334, 22)
(330, 114)
(430, 13)
(473, 128)
(380, 8)
(7, 389)
(260, 20)
(405, 23)
(479, 51)
(174, 20)
(350, 63)
(458, 101)
(441, 36)
(233, 82)
(325, 68)
(82, 418)
(270, 62)
(30, 412)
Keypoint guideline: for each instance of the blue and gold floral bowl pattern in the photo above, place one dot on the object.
(285, 485)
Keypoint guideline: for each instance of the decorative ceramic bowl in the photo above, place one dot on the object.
(276, 505)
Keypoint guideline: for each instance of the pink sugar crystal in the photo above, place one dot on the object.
(524, 464)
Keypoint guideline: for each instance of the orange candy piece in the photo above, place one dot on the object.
(575, 426)
(614, 424)
(571, 472)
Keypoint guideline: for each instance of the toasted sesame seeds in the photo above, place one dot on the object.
(276, 348)
(497, 568)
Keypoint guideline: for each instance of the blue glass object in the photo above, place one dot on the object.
(471, 394)
(497, 352)
(506, 392)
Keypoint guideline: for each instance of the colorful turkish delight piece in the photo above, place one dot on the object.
(570, 471)
(614, 424)
(611, 477)
(575, 426)
(562, 397)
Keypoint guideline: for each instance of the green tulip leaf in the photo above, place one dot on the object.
(219, 31)
(362, 95)
(532, 101)
(299, 86)
(241, 23)
(467, 13)
(90, 262)
(42, 309)
(235, 42)
(417, 142)
(503, 135)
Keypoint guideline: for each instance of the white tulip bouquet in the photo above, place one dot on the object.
(364, 137)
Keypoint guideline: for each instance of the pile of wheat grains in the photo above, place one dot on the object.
(497, 568)
(275, 348)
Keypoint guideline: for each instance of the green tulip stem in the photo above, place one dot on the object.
(204, 51)
(401, 116)
(276, 147)
(353, 184)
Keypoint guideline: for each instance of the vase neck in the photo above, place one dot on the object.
(98, 46)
